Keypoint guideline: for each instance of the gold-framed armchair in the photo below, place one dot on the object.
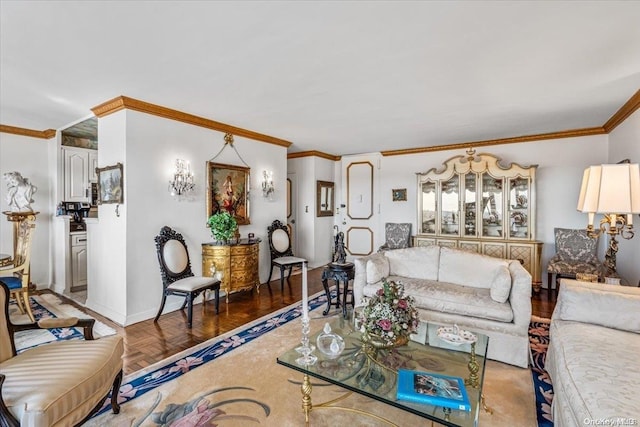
(56, 384)
(16, 274)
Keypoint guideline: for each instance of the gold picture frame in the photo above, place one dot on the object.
(228, 190)
(110, 184)
(399, 194)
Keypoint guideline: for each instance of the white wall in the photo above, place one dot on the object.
(561, 163)
(148, 148)
(624, 143)
(30, 157)
(323, 226)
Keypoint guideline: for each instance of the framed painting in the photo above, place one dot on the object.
(399, 194)
(110, 187)
(227, 190)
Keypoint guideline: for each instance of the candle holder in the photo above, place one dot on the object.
(305, 350)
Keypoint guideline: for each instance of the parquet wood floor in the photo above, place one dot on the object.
(148, 342)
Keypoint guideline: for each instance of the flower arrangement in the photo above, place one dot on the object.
(223, 226)
(389, 316)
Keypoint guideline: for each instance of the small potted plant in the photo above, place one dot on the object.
(223, 226)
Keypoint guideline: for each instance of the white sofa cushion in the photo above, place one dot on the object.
(468, 268)
(501, 285)
(377, 269)
(615, 306)
(450, 298)
(420, 262)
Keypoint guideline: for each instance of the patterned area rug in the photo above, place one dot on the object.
(539, 341)
(47, 306)
(234, 380)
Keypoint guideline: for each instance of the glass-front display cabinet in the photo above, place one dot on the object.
(476, 203)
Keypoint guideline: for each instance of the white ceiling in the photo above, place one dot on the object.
(338, 77)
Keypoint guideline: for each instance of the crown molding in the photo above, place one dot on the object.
(599, 130)
(124, 102)
(313, 153)
(42, 134)
(625, 111)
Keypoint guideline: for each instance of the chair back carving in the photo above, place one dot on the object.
(173, 256)
(279, 240)
(7, 348)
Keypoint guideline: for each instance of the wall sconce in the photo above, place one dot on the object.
(614, 191)
(182, 182)
(267, 184)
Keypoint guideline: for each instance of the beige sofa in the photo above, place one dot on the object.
(593, 354)
(488, 295)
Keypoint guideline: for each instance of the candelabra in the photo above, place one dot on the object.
(607, 189)
(182, 182)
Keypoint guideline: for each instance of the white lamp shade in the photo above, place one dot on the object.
(610, 189)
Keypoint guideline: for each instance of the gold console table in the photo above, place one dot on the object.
(238, 263)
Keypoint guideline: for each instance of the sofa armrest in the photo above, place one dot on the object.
(520, 295)
(611, 306)
(360, 277)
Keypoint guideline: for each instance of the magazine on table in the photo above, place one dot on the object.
(432, 389)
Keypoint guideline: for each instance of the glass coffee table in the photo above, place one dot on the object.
(368, 372)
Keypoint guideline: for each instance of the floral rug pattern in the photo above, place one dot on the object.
(202, 410)
(539, 342)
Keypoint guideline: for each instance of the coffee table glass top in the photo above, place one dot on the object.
(374, 373)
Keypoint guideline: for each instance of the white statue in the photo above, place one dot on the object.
(19, 192)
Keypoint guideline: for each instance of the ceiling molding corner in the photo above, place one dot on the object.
(42, 134)
(625, 111)
(313, 153)
(124, 102)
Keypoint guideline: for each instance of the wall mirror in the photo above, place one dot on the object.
(324, 201)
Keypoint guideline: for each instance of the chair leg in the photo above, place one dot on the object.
(289, 275)
(189, 300)
(115, 406)
(282, 267)
(270, 273)
(217, 294)
(27, 305)
(164, 299)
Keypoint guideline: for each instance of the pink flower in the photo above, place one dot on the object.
(380, 292)
(402, 304)
(186, 364)
(385, 324)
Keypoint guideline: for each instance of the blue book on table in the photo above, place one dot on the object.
(432, 389)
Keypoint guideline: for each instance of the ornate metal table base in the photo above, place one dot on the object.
(338, 273)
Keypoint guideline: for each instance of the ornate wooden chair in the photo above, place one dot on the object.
(57, 384)
(177, 277)
(397, 236)
(16, 275)
(281, 252)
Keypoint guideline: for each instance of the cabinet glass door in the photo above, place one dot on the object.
(469, 206)
(450, 195)
(492, 206)
(519, 208)
(429, 208)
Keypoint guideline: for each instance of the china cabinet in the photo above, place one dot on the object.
(237, 263)
(477, 204)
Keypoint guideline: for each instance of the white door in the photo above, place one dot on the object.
(292, 191)
(358, 219)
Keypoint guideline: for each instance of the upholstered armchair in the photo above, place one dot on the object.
(58, 384)
(397, 236)
(576, 252)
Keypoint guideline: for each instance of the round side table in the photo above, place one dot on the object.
(338, 273)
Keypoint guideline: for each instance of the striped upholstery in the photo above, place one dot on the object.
(60, 383)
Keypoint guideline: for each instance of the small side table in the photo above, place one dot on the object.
(338, 273)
